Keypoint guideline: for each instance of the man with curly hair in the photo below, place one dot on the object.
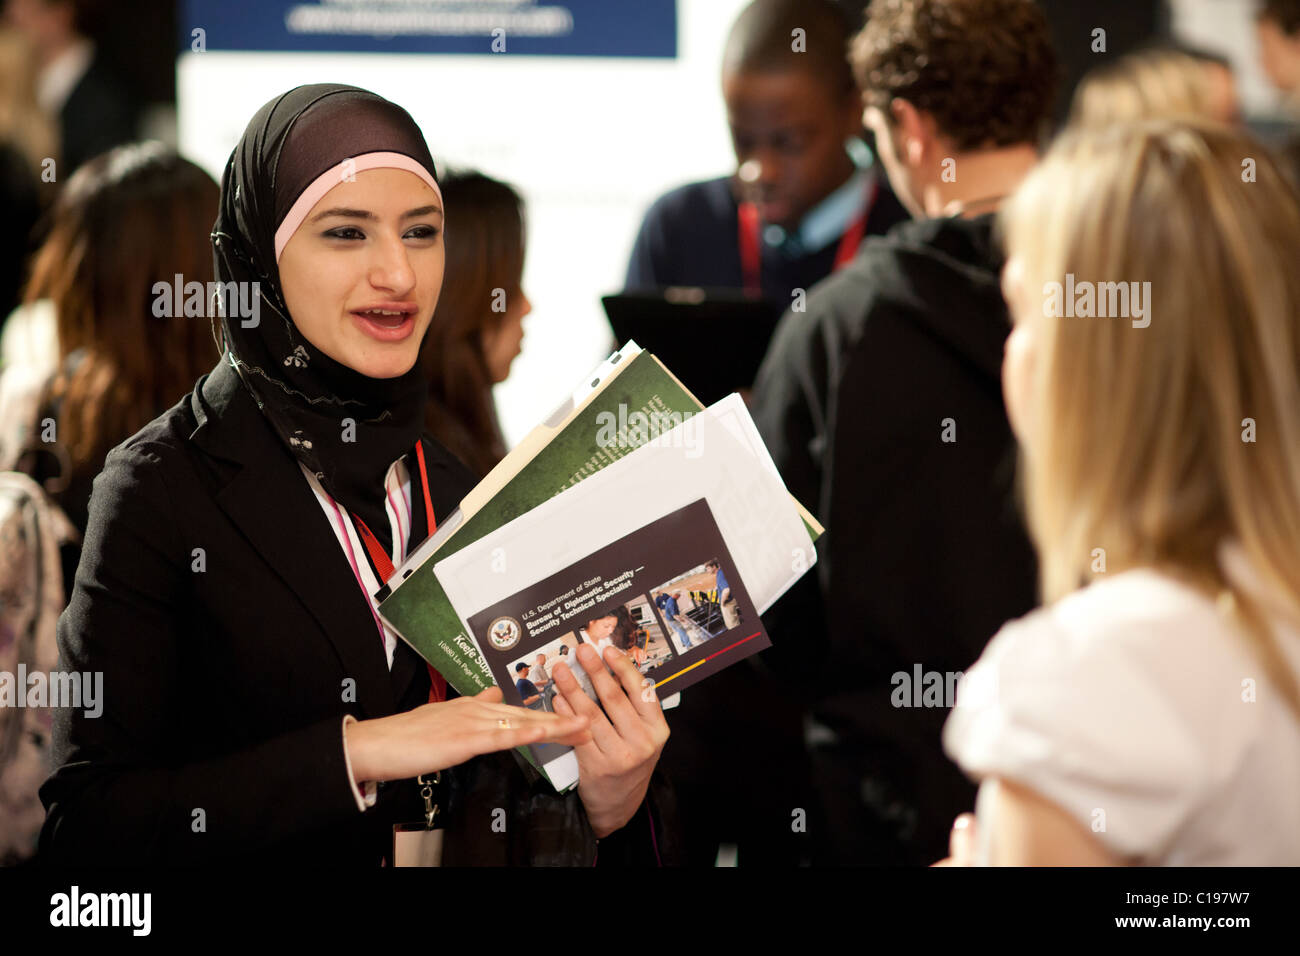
(882, 406)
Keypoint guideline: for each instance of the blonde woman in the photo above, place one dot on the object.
(1156, 83)
(1149, 712)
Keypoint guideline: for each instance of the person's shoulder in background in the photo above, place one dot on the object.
(708, 199)
(1124, 704)
(805, 359)
(99, 113)
(887, 212)
(687, 237)
(919, 270)
(21, 200)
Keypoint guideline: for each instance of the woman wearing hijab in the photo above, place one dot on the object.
(252, 706)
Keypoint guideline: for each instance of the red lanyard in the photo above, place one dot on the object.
(384, 565)
(747, 226)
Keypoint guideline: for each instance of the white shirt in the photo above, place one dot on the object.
(831, 217)
(397, 506)
(31, 338)
(599, 645)
(1127, 705)
(575, 665)
(550, 664)
(570, 660)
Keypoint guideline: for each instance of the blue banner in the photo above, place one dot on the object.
(623, 28)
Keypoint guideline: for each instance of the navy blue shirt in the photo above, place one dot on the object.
(526, 688)
(690, 237)
(668, 604)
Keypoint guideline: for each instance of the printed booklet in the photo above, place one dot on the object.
(669, 595)
(629, 447)
(628, 401)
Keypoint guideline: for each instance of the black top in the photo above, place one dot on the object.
(924, 555)
(20, 199)
(49, 466)
(690, 238)
(214, 598)
(97, 115)
(69, 487)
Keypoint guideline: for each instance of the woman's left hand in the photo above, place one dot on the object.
(615, 767)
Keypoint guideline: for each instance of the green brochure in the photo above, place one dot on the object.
(637, 400)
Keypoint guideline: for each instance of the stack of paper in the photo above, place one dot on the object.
(630, 517)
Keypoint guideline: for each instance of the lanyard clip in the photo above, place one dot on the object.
(426, 792)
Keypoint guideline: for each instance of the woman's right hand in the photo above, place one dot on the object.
(437, 736)
(961, 842)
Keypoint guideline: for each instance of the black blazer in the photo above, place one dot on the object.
(97, 115)
(214, 598)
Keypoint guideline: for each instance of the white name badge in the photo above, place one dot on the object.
(414, 845)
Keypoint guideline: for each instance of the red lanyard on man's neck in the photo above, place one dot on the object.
(748, 224)
(384, 564)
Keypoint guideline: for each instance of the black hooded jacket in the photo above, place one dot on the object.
(882, 407)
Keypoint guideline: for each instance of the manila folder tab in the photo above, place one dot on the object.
(541, 436)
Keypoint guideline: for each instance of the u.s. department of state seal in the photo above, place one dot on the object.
(504, 633)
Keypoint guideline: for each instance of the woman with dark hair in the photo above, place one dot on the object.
(629, 636)
(615, 629)
(126, 220)
(612, 629)
(477, 329)
(235, 545)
